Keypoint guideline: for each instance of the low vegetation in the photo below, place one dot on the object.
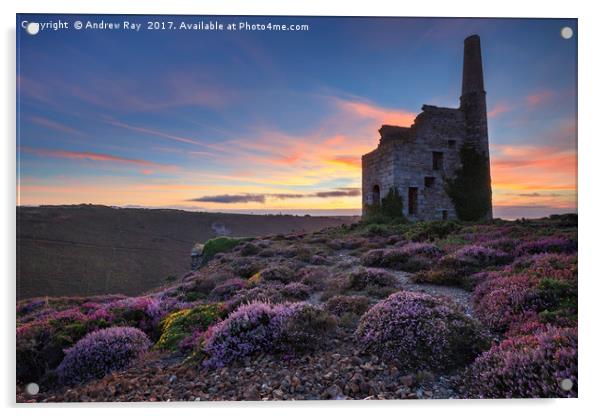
(371, 309)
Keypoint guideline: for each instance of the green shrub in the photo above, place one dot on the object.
(181, 324)
(559, 298)
(390, 209)
(220, 245)
(431, 230)
(470, 189)
(376, 229)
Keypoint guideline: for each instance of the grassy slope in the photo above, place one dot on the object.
(85, 250)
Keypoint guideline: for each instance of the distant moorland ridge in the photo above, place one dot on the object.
(68, 250)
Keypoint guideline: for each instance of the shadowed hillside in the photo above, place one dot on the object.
(428, 310)
(91, 249)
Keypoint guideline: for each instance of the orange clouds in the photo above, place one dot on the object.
(498, 109)
(97, 157)
(352, 161)
(540, 97)
(381, 114)
(526, 175)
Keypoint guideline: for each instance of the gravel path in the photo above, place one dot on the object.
(456, 294)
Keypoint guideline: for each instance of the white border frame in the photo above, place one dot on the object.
(589, 198)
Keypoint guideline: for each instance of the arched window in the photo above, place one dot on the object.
(375, 195)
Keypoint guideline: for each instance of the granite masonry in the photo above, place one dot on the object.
(420, 160)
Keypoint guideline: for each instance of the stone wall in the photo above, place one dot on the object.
(404, 159)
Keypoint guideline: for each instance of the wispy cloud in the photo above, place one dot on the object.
(366, 109)
(498, 109)
(261, 198)
(540, 97)
(44, 122)
(152, 132)
(96, 157)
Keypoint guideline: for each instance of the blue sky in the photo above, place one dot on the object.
(185, 118)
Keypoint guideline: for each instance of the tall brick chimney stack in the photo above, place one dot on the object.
(472, 80)
(473, 103)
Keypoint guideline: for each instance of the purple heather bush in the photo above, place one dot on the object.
(545, 284)
(295, 291)
(365, 277)
(505, 244)
(527, 323)
(40, 343)
(475, 279)
(478, 256)
(409, 257)
(246, 267)
(341, 305)
(455, 269)
(101, 352)
(498, 302)
(314, 276)
(422, 249)
(373, 257)
(283, 274)
(227, 289)
(317, 259)
(262, 327)
(144, 312)
(552, 244)
(420, 332)
(271, 292)
(265, 292)
(526, 366)
(251, 328)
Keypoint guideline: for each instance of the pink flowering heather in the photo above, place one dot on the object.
(478, 256)
(505, 244)
(100, 353)
(262, 327)
(144, 312)
(526, 366)
(364, 277)
(251, 328)
(497, 302)
(551, 244)
(473, 280)
(296, 291)
(191, 342)
(420, 331)
(278, 273)
(527, 323)
(544, 284)
(266, 293)
(341, 305)
(227, 289)
(373, 257)
(422, 249)
(409, 257)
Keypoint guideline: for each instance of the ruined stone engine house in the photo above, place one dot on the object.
(420, 160)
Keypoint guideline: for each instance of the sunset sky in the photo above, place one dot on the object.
(262, 121)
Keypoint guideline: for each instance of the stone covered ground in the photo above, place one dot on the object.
(369, 311)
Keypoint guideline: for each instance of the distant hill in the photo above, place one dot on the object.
(91, 249)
